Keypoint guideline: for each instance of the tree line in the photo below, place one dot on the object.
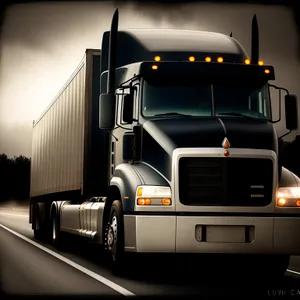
(15, 172)
(14, 177)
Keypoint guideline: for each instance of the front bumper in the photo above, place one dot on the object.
(212, 234)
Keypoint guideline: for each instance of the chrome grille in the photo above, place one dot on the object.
(225, 181)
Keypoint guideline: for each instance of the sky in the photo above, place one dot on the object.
(42, 44)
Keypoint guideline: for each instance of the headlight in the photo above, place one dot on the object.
(153, 195)
(288, 197)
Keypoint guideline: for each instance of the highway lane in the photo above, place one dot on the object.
(28, 269)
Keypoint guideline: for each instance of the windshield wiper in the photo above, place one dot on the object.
(172, 114)
(240, 115)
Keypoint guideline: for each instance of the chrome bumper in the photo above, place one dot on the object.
(180, 234)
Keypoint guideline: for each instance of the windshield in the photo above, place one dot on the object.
(229, 98)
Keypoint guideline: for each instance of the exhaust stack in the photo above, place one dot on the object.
(112, 53)
(254, 41)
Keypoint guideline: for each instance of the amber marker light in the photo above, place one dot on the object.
(166, 201)
(192, 58)
(225, 143)
(154, 67)
(260, 63)
(139, 192)
(226, 153)
(281, 202)
(247, 61)
(157, 58)
(144, 201)
(220, 59)
(267, 71)
(208, 59)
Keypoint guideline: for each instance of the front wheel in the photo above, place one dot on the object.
(273, 265)
(278, 266)
(114, 237)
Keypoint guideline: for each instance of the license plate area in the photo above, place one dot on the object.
(224, 233)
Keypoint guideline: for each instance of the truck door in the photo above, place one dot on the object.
(117, 140)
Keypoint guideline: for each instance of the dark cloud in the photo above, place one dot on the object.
(43, 43)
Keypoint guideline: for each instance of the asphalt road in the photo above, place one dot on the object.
(29, 267)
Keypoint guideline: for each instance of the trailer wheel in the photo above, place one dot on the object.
(56, 233)
(38, 234)
(114, 237)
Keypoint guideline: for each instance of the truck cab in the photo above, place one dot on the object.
(194, 152)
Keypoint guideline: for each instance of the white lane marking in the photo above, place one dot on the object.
(105, 281)
(294, 272)
(16, 215)
(92, 274)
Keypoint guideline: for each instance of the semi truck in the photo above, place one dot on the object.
(164, 141)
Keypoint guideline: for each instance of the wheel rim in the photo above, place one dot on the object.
(112, 236)
(53, 229)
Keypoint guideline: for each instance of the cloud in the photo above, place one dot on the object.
(42, 43)
(16, 140)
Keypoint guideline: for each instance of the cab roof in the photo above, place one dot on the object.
(157, 40)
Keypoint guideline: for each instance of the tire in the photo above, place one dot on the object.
(114, 237)
(279, 265)
(273, 265)
(56, 234)
(38, 234)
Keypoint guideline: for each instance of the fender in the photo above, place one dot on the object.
(128, 177)
(288, 179)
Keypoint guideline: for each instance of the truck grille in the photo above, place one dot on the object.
(225, 181)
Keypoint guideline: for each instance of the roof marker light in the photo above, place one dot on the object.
(220, 59)
(247, 61)
(157, 58)
(192, 58)
(260, 63)
(208, 59)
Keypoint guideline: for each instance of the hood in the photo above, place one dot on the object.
(162, 136)
(210, 132)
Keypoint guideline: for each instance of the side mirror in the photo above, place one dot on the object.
(291, 112)
(128, 146)
(128, 108)
(107, 111)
